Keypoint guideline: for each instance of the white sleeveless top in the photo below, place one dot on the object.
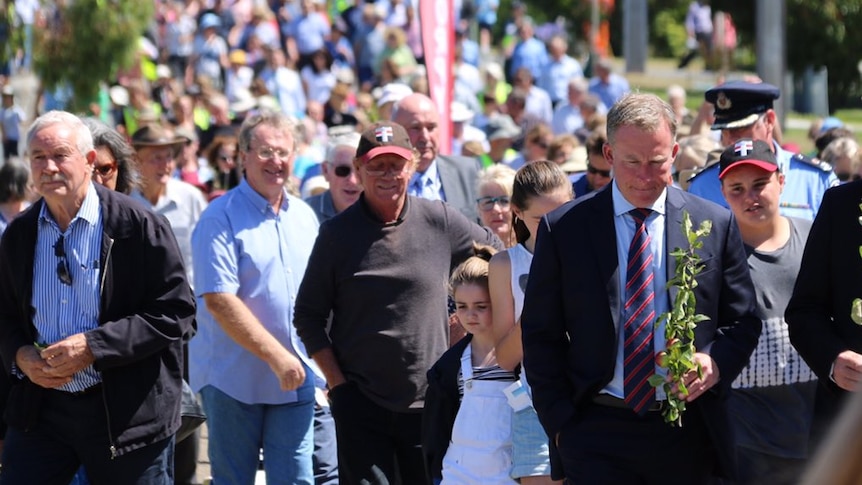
(520, 259)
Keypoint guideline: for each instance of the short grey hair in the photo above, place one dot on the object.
(347, 140)
(83, 138)
(268, 118)
(645, 111)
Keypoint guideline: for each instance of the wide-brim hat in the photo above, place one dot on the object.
(243, 102)
(747, 152)
(155, 135)
(460, 113)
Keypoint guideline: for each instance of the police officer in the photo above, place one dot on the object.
(744, 110)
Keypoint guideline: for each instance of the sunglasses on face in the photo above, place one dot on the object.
(63, 272)
(342, 171)
(595, 171)
(488, 203)
(105, 170)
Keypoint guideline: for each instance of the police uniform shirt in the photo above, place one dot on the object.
(804, 184)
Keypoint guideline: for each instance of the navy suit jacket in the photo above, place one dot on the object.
(570, 321)
(830, 278)
(459, 175)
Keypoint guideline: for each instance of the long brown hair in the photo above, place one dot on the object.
(535, 180)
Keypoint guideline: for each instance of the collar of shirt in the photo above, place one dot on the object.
(169, 197)
(429, 178)
(89, 210)
(257, 200)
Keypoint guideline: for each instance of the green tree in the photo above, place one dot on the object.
(87, 41)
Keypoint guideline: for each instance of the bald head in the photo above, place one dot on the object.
(417, 113)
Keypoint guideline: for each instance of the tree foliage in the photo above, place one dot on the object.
(86, 42)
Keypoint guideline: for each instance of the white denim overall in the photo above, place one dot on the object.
(481, 448)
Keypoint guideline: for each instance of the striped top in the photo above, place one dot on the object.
(492, 373)
(61, 310)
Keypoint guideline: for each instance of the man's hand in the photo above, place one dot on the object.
(33, 366)
(68, 356)
(289, 370)
(847, 370)
(698, 385)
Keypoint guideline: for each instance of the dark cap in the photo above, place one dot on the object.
(155, 135)
(384, 138)
(747, 152)
(739, 103)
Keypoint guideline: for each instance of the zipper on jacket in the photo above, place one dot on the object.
(105, 266)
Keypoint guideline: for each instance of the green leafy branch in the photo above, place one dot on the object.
(680, 322)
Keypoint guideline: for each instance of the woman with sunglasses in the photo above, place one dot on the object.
(222, 154)
(115, 166)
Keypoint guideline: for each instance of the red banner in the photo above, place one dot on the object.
(438, 39)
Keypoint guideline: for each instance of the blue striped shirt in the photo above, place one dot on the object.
(61, 310)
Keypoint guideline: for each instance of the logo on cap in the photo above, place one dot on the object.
(743, 148)
(383, 134)
(722, 101)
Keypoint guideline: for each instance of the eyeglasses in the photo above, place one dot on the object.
(268, 153)
(342, 171)
(540, 143)
(105, 170)
(488, 203)
(381, 170)
(595, 171)
(63, 265)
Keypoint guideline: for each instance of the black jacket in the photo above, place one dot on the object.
(442, 402)
(147, 312)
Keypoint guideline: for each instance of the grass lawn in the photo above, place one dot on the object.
(661, 73)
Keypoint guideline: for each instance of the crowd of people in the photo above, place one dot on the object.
(265, 210)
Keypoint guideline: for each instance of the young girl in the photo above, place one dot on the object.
(467, 430)
(539, 188)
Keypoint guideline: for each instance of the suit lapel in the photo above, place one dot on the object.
(448, 177)
(674, 238)
(604, 240)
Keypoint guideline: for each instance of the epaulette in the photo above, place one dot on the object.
(813, 161)
(705, 169)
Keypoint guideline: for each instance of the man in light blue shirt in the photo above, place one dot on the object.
(608, 85)
(257, 383)
(561, 69)
(530, 52)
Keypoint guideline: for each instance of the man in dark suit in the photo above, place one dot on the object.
(584, 324)
(438, 177)
(819, 314)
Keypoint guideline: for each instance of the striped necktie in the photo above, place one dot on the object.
(639, 315)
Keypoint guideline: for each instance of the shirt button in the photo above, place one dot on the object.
(289, 271)
(64, 301)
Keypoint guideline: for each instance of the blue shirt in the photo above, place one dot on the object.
(556, 76)
(530, 53)
(245, 249)
(611, 91)
(567, 119)
(804, 185)
(427, 185)
(625, 229)
(62, 310)
(309, 32)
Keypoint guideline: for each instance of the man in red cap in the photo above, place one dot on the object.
(382, 286)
